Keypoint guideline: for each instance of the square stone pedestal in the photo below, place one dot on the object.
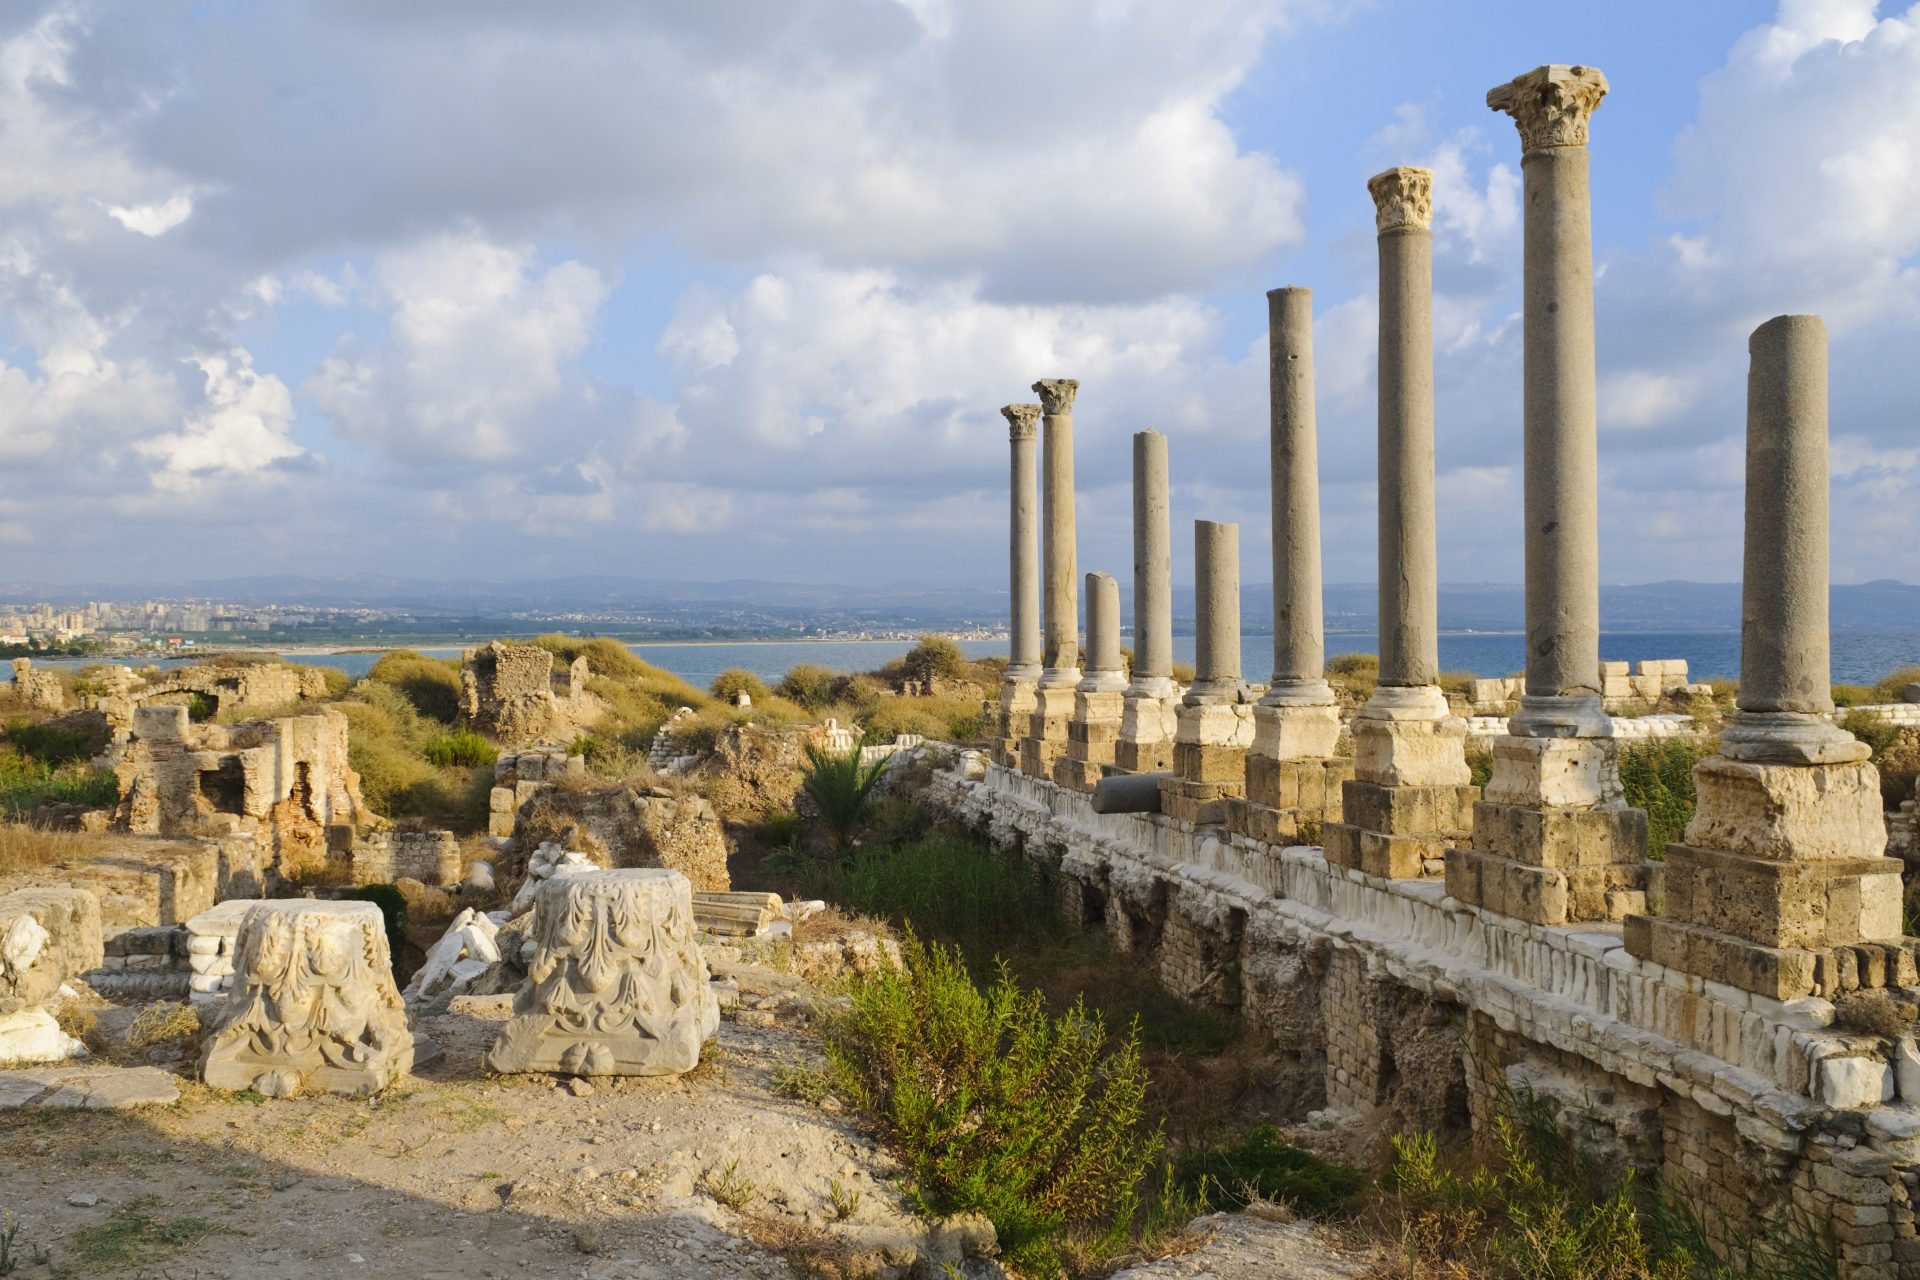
(1409, 797)
(1554, 840)
(1148, 724)
(1013, 717)
(1046, 739)
(1290, 801)
(1091, 739)
(1781, 888)
(1209, 762)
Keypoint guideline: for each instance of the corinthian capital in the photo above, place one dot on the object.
(1402, 199)
(1020, 420)
(1056, 394)
(1550, 105)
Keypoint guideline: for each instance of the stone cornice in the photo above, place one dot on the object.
(1056, 394)
(1550, 105)
(1022, 420)
(1402, 199)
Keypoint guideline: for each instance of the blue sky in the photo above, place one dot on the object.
(492, 290)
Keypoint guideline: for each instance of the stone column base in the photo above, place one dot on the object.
(1779, 973)
(1091, 739)
(1289, 801)
(1013, 716)
(1148, 722)
(1197, 803)
(1399, 833)
(1546, 895)
(1046, 739)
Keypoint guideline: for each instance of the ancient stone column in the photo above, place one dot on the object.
(1215, 720)
(1060, 641)
(1410, 795)
(1101, 695)
(1550, 106)
(1148, 721)
(1780, 887)
(617, 986)
(1293, 777)
(1554, 839)
(1023, 657)
(313, 1007)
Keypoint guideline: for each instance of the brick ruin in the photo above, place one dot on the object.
(509, 691)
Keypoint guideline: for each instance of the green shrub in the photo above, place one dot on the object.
(462, 747)
(1894, 687)
(1657, 775)
(1184, 673)
(52, 744)
(1853, 695)
(338, 681)
(200, 708)
(934, 658)
(605, 656)
(1261, 1164)
(1480, 763)
(730, 684)
(1896, 754)
(995, 1106)
(1357, 673)
(1460, 682)
(25, 783)
(393, 913)
(954, 890)
(811, 686)
(839, 786)
(432, 685)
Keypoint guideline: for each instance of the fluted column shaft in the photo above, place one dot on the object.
(1061, 640)
(1550, 106)
(1216, 580)
(1152, 562)
(1023, 659)
(1299, 638)
(1409, 622)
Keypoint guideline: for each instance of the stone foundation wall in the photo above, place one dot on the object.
(1419, 1012)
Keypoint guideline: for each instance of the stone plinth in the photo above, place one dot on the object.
(1294, 780)
(313, 1006)
(1209, 761)
(1148, 722)
(1092, 738)
(617, 985)
(1411, 794)
(1047, 726)
(1013, 713)
(1554, 841)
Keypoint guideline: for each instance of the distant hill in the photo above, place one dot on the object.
(1883, 605)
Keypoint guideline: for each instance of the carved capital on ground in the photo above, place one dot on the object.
(1402, 198)
(1550, 105)
(1022, 420)
(1056, 394)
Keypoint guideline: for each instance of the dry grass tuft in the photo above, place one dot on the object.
(29, 848)
(159, 1023)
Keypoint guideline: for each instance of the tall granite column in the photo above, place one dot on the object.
(1101, 694)
(1023, 579)
(1780, 887)
(1554, 839)
(1215, 720)
(1060, 639)
(1148, 720)
(1410, 795)
(1293, 777)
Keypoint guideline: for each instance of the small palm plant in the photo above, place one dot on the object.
(839, 784)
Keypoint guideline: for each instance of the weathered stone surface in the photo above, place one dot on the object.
(1059, 617)
(617, 986)
(1429, 751)
(91, 1088)
(34, 1035)
(1576, 773)
(618, 826)
(1788, 811)
(508, 691)
(1024, 655)
(313, 1005)
(46, 937)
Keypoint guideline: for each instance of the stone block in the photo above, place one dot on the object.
(1418, 753)
(1391, 857)
(1784, 904)
(1444, 812)
(1788, 811)
(1077, 775)
(1577, 773)
(1295, 733)
(1312, 785)
(502, 800)
(1199, 762)
(1545, 895)
(1848, 1083)
(1560, 837)
(617, 985)
(1198, 803)
(312, 1006)
(1143, 757)
(46, 937)
(1779, 973)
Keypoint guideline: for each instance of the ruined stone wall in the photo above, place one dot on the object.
(1423, 1013)
(507, 691)
(284, 781)
(431, 857)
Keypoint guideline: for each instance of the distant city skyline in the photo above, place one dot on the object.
(454, 292)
